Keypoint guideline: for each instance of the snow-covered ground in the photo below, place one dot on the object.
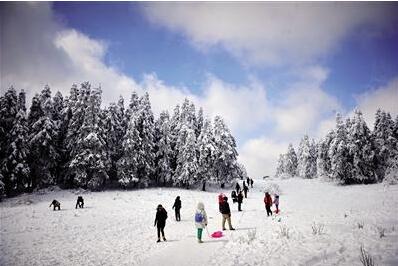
(116, 227)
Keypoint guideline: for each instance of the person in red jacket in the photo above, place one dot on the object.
(268, 203)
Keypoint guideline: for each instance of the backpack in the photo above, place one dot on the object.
(199, 217)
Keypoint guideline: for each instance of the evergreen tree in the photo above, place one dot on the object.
(199, 122)
(90, 162)
(42, 143)
(15, 168)
(280, 166)
(340, 166)
(361, 152)
(164, 152)
(291, 162)
(323, 163)
(187, 165)
(306, 167)
(225, 164)
(206, 148)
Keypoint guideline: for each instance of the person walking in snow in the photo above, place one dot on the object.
(268, 203)
(56, 204)
(245, 189)
(240, 200)
(220, 200)
(200, 220)
(177, 207)
(160, 221)
(226, 214)
(237, 187)
(251, 182)
(248, 181)
(276, 202)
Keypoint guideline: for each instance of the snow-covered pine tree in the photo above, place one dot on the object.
(58, 108)
(163, 149)
(175, 125)
(90, 162)
(206, 147)
(43, 156)
(15, 168)
(391, 173)
(291, 162)
(136, 166)
(306, 167)
(199, 122)
(340, 165)
(280, 166)
(225, 164)
(323, 165)
(384, 141)
(361, 151)
(115, 132)
(187, 164)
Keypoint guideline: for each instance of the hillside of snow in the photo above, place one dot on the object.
(116, 227)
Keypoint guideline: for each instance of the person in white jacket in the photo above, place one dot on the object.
(200, 220)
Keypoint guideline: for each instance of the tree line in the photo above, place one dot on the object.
(73, 142)
(350, 153)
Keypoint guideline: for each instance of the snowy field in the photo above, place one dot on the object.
(116, 227)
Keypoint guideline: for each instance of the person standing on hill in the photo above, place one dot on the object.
(177, 207)
(237, 187)
(240, 200)
(268, 203)
(226, 214)
(245, 189)
(160, 221)
(200, 220)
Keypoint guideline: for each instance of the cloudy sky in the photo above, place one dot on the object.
(274, 71)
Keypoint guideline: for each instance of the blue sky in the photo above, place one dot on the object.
(274, 71)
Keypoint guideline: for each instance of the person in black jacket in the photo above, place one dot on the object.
(245, 189)
(160, 221)
(226, 214)
(56, 204)
(240, 200)
(237, 187)
(79, 202)
(177, 207)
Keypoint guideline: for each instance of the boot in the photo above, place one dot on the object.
(158, 240)
(164, 239)
(200, 241)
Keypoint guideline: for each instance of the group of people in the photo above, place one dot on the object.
(57, 205)
(268, 203)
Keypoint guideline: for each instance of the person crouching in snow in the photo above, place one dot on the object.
(56, 204)
(276, 202)
(268, 203)
(160, 221)
(200, 220)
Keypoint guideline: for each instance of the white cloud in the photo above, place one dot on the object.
(38, 50)
(244, 108)
(305, 104)
(259, 156)
(268, 33)
(385, 98)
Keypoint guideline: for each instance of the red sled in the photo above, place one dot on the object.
(217, 234)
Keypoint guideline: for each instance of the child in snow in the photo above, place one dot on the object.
(226, 214)
(177, 207)
(276, 202)
(240, 200)
(268, 203)
(56, 204)
(160, 221)
(234, 197)
(79, 202)
(200, 220)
